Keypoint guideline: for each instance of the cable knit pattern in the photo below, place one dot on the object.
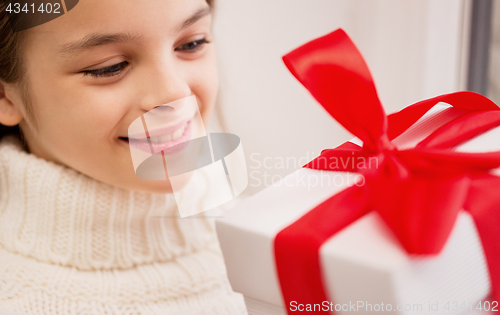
(72, 245)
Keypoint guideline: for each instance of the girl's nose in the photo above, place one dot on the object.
(163, 86)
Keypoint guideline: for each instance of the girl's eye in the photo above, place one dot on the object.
(192, 46)
(108, 71)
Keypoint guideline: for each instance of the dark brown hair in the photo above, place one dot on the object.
(12, 69)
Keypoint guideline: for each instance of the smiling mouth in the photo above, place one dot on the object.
(159, 140)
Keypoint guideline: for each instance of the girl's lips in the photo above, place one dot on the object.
(168, 147)
(158, 132)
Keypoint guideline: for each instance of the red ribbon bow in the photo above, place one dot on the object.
(418, 192)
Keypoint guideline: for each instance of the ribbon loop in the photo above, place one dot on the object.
(335, 73)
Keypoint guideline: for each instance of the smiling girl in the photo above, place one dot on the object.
(80, 233)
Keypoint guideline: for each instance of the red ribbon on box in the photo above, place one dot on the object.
(430, 182)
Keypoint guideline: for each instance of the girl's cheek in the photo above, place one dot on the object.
(207, 80)
(208, 92)
(104, 104)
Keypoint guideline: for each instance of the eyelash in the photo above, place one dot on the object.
(193, 46)
(108, 71)
(113, 70)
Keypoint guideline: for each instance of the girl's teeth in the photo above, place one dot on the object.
(165, 138)
(177, 134)
(154, 140)
(171, 137)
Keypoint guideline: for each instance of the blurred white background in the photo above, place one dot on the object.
(415, 49)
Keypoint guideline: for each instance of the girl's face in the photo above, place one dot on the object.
(94, 70)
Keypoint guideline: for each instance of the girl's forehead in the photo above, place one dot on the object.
(95, 22)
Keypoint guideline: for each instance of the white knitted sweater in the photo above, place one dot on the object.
(72, 245)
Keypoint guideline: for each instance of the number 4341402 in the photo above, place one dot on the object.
(42, 8)
(481, 306)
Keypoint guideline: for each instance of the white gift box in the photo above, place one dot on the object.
(363, 264)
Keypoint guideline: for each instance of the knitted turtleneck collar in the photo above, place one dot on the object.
(56, 215)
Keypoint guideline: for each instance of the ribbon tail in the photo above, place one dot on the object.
(483, 203)
(297, 247)
(422, 209)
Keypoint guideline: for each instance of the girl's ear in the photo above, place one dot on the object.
(9, 114)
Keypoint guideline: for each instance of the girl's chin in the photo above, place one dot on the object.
(155, 186)
(164, 186)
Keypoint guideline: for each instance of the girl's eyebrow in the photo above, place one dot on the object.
(195, 17)
(98, 39)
